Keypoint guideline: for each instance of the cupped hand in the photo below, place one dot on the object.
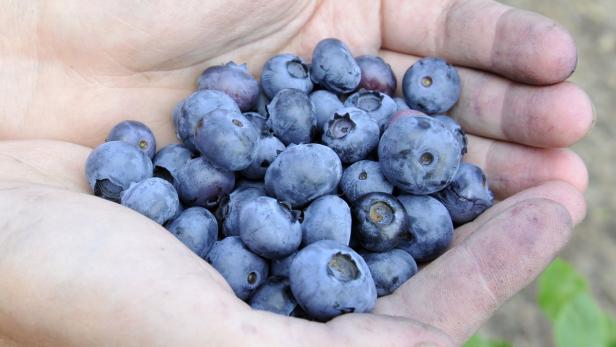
(81, 271)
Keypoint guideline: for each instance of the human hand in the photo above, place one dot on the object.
(83, 70)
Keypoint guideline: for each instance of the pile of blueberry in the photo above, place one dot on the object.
(312, 191)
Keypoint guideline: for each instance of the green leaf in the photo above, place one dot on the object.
(478, 341)
(580, 323)
(610, 330)
(558, 285)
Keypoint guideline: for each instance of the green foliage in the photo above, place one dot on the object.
(577, 319)
(579, 323)
(564, 297)
(610, 329)
(478, 341)
(558, 285)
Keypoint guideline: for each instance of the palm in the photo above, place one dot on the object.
(114, 62)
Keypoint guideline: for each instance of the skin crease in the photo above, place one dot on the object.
(78, 270)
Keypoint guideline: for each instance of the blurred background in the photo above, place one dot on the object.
(592, 250)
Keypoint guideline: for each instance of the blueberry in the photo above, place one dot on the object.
(379, 106)
(467, 196)
(325, 104)
(274, 296)
(327, 218)
(431, 86)
(258, 120)
(280, 267)
(430, 229)
(403, 113)
(169, 160)
(197, 228)
(334, 67)
(401, 104)
(352, 134)
(379, 221)
(227, 139)
(376, 74)
(242, 269)
(190, 111)
(229, 209)
(419, 154)
(261, 106)
(390, 269)
(284, 71)
(269, 228)
(268, 149)
(235, 81)
(179, 211)
(329, 279)
(136, 134)
(455, 128)
(291, 116)
(199, 183)
(245, 183)
(303, 173)
(153, 197)
(364, 177)
(113, 166)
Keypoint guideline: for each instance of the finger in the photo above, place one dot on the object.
(559, 191)
(84, 271)
(512, 168)
(490, 106)
(469, 282)
(346, 330)
(379, 330)
(52, 163)
(520, 45)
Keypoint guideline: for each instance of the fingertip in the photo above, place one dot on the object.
(570, 167)
(558, 58)
(568, 196)
(573, 114)
(534, 49)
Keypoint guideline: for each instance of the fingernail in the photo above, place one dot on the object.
(594, 114)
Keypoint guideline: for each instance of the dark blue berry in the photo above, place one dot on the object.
(334, 67)
(431, 86)
(189, 112)
(378, 106)
(329, 279)
(153, 197)
(419, 154)
(284, 71)
(376, 74)
(364, 177)
(136, 134)
(199, 183)
(379, 221)
(390, 269)
(227, 139)
(467, 196)
(303, 173)
(269, 228)
(235, 81)
(291, 117)
(327, 218)
(430, 229)
(197, 228)
(113, 166)
(241, 268)
(352, 134)
(169, 160)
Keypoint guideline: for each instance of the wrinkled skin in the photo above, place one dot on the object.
(103, 275)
